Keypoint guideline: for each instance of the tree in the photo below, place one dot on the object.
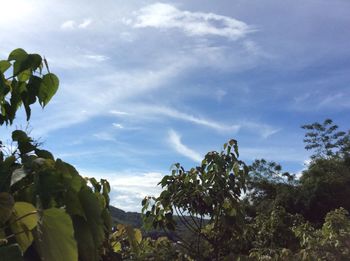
(269, 186)
(324, 139)
(47, 210)
(206, 200)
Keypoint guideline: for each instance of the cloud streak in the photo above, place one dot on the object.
(166, 16)
(145, 110)
(175, 141)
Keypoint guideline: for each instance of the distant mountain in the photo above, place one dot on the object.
(135, 220)
(129, 218)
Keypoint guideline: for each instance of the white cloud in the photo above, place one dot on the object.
(119, 113)
(97, 58)
(175, 142)
(118, 126)
(128, 188)
(85, 23)
(72, 24)
(166, 16)
(68, 25)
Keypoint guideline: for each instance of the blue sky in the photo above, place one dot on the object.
(144, 84)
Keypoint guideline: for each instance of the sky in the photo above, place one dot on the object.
(145, 84)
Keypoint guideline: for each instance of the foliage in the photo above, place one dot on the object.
(268, 186)
(47, 210)
(279, 217)
(208, 194)
(131, 245)
(331, 242)
(24, 84)
(324, 139)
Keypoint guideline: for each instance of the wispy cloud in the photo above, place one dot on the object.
(175, 142)
(118, 126)
(72, 24)
(105, 136)
(173, 113)
(97, 57)
(264, 130)
(167, 16)
(119, 113)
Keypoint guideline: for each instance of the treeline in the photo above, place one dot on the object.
(220, 210)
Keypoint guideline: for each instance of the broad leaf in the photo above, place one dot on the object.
(54, 238)
(18, 54)
(23, 220)
(48, 88)
(88, 251)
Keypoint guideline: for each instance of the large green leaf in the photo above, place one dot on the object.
(93, 211)
(48, 88)
(54, 238)
(70, 176)
(10, 253)
(18, 54)
(26, 213)
(73, 205)
(90, 231)
(88, 251)
(23, 221)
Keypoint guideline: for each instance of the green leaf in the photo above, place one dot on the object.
(137, 235)
(19, 135)
(4, 65)
(48, 88)
(117, 247)
(55, 236)
(18, 54)
(6, 205)
(70, 176)
(93, 210)
(10, 253)
(23, 220)
(88, 251)
(44, 154)
(73, 205)
(34, 61)
(24, 75)
(26, 215)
